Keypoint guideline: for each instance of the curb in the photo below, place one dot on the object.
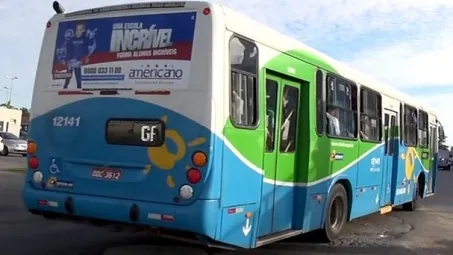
(14, 170)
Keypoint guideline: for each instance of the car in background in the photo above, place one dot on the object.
(445, 159)
(11, 144)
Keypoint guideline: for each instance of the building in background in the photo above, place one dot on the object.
(10, 120)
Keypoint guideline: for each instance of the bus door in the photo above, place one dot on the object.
(282, 105)
(390, 156)
(432, 176)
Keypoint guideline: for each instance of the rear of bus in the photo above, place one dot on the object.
(123, 122)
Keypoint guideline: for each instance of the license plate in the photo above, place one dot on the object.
(106, 173)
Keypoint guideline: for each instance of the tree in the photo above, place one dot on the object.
(24, 110)
(7, 105)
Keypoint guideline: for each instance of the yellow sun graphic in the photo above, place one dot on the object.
(409, 158)
(164, 159)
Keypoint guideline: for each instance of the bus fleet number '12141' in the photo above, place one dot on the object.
(65, 121)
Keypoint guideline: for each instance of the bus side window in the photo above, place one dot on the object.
(410, 126)
(370, 115)
(271, 111)
(290, 105)
(423, 129)
(243, 83)
(320, 103)
(341, 113)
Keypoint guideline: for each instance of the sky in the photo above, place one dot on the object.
(405, 43)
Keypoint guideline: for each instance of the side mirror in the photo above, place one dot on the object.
(441, 133)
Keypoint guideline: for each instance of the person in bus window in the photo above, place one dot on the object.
(270, 114)
(238, 107)
(332, 121)
(365, 127)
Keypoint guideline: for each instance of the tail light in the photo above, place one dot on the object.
(206, 11)
(194, 175)
(32, 147)
(199, 159)
(33, 162)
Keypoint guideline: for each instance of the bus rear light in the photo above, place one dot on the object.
(199, 159)
(32, 148)
(206, 11)
(37, 177)
(194, 176)
(33, 163)
(186, 192)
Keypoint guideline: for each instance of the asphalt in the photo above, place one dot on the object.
(427, 231)
(12, 162)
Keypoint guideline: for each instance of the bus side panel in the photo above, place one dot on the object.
(369, 180)
(409, 168)
(241, 171)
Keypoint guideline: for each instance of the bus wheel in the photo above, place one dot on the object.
(337, 213)
(412, 205)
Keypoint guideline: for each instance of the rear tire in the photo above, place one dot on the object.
(412, 205)
(5, 151)
(336, 214)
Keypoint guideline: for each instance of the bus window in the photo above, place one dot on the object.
(370, 115)
(423, 129)
(341, 108)
(244, 69)
(271, 110)
(320, 108)
(410, 126)
(289, 119)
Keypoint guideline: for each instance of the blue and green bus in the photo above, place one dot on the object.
(195, 122)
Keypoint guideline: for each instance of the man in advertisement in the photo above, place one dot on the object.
(79, 47)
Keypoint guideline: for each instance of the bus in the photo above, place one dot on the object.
(194, 122)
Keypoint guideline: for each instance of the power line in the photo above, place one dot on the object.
(15, 94)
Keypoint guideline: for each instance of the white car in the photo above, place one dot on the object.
(11, 144)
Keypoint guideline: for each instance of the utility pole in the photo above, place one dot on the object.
(10, 89)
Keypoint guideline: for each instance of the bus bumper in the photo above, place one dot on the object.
(200, 217)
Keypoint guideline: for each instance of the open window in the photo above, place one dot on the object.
(423, 140)
(370, 115)
(410, 126)
(341, 112)
(243, 82)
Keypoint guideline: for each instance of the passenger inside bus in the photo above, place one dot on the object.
(289, 119)
(333, 124)
(364, 127)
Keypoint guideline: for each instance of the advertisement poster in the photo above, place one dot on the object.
(138, 52)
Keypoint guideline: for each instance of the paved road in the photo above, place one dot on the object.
(429, 231)
(12, 161)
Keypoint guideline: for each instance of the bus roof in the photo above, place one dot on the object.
(254, 30)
